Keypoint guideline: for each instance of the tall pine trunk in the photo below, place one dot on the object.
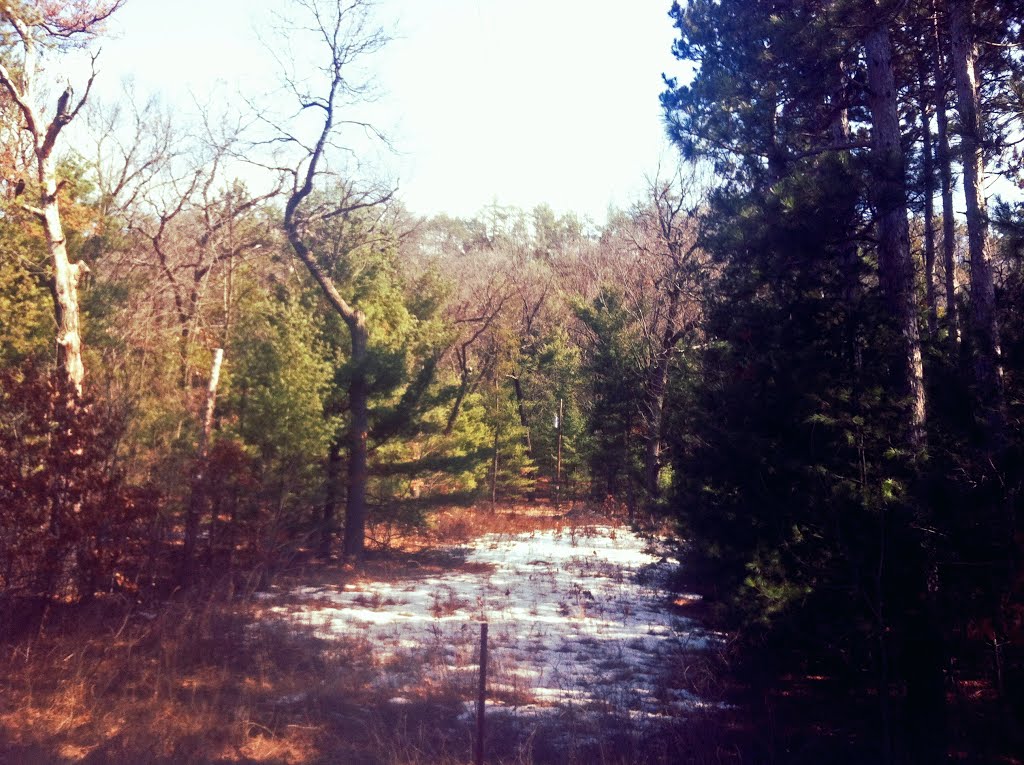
(922, 671)
(946, 185)
(928, 189)
(895, 265)
(524, 421)
(983, 320)
(359, 411)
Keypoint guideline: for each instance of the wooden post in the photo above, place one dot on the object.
(494, 466)
(478, 754)
(494, 473)
(558, 464)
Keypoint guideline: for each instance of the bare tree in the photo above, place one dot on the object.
(345, 33)
(473, 317)
(665, 236)
(136, 142)
(34, 29)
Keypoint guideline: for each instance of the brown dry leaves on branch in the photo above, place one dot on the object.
(64, 23)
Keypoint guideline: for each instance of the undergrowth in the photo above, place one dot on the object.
(206, 676)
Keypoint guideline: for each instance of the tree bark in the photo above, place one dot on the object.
(895, 265)
(946, 186)
(494, 469)
(655, 415)
(66, 279)
(517, 386)
(558, 463)
(460, 395)
(66, 276)
(359, 411)
(983, 319)
(358, 392)
(346, 29)
(197, 497)
(330, 508)
(928, 173)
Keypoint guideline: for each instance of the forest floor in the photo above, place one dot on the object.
(597, 654)
(588, 653)
(592, 658)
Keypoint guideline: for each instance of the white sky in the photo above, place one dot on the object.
(519, 101)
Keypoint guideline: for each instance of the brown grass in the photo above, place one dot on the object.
(458, 525)
(208, 677)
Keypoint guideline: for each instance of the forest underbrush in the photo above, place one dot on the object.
(223, 672)
(245, 667)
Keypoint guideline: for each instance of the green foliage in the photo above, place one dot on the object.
(275, 381)
(784, 469)
(515, 470)
(615, 382)
(549, 373)
(26, 308)
(412, 460)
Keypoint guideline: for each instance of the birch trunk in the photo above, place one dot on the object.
(197, 497)
(656, 414)
(66, 276)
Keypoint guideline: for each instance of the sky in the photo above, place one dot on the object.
(521, 102)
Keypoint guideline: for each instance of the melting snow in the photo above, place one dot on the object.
(576, 617)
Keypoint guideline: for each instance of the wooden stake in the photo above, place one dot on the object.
(478, 754)
(558, 465)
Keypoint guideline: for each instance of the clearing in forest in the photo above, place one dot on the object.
(581, 625)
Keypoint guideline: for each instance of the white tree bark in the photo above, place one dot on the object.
(22, 87)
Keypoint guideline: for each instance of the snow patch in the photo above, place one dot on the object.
(577, 617)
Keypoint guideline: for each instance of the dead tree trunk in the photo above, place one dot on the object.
(66, 276)
(197, 497)
(346, 30)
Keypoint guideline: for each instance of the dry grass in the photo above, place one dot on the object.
(458, 525)
(207, 678)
